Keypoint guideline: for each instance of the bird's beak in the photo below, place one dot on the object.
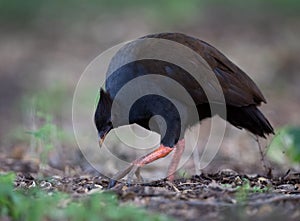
(101, 141)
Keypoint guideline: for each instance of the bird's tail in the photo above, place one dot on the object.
(249, 118)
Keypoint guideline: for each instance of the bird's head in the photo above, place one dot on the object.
(102, 116)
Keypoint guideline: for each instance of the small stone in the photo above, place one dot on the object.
(238, 180)
(263, 181)
(33, 184)
(45, 185)
(286, 187)
(297, 187)
(228, 172)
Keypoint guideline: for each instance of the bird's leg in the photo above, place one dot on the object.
(179, 148)
(133, 168)
(138, 175)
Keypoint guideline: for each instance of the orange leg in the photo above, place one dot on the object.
(133, 168)
(179, 148)
(158, 153)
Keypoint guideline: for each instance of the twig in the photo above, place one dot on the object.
(174, 187)
(262, 154)
(286, 174)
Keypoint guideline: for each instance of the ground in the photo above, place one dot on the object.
(226, 195)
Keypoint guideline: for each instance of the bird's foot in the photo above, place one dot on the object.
(134, 171)
(134, 167)
(130, 171)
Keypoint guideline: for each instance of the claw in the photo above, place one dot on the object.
(111, 183)
(119, 176)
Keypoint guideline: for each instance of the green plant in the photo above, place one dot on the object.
(8, 201)
(245, 189)
(31, 204)
(285, 146)
(35, 205)
(45, 135)
(43, 110)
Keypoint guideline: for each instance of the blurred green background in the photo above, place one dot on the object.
(46, 45)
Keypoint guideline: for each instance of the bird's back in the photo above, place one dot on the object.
(144, 76)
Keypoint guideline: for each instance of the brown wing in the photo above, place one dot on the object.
(238, 87)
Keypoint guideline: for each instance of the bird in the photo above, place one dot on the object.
(241, 98)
